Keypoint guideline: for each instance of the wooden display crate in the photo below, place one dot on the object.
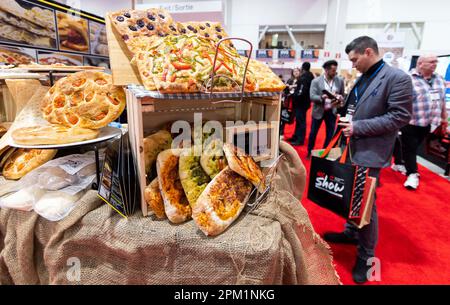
(147, 115)
(150, 111)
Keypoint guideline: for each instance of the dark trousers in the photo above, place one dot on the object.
(398, 154)
(330, 124)
(367, 236)
(300, 124)
(412, 137)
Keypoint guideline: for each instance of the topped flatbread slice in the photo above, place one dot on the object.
(176, 205)
(221, 202)
(23, 161)
(193, 178)
(244, 165)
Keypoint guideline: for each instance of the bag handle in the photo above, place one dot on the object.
(331, 144)
(345, 152)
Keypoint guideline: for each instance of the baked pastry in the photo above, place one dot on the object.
(193, 178)
(23, 161)
(244, 165)
(154, 200)
(176, 205)
(73, 32)
(84, 99)
(36, 15)
(221, 202)
(153, 145)
(52, 134)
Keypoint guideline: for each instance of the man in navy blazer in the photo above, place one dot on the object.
(377, 107)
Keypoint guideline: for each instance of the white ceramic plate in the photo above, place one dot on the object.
(106, 133)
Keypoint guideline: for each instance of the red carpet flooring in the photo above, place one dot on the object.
(414, 227)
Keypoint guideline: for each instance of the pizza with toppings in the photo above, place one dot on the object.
(84, 99)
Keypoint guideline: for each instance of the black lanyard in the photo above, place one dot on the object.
(366, 83)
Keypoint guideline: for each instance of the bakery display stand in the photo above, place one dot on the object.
(106, 134)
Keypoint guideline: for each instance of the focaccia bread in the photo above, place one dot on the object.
(154, 200)
(131, 24)
(184, 64)
(213, 159)
(193, 178)
(221, 202)
(176, 205)
(52, 134)
(244, 165)
(153, 145)
(266, 80)
(84, 99)
(23, 161)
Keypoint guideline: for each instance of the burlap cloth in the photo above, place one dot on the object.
(273, 244)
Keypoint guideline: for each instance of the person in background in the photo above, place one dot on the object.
(429, 110)
(324, 107)
(301, 103)
(377, 107)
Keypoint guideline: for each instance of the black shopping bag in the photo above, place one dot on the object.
(340, 187)
(438, 144)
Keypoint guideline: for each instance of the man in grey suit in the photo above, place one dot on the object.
(324, 106)
(377, 107)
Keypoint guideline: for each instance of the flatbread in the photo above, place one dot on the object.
(86, 99)
(193, 178)
(23, 161)
(154, 200)
(176, 205)
(213, 159)
(221, 202)
(153, 145)
(244, 165)
(52, 134)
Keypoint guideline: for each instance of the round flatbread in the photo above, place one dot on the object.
(86, 99)
(23, 161)
(52, 134)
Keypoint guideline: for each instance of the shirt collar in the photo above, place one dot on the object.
(414, 72)
(374, 67)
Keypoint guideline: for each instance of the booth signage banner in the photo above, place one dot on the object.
(286, 54)
(264, 54)
(310, 54)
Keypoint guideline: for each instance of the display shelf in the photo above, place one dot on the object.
(147, 114)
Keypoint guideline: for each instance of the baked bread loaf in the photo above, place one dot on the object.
(153, 198)
(52, 134)
(176, 205)
(244, 165)
(23, 161)
(193, 178)
(84, 99)
(221, 202)
(153, 145)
